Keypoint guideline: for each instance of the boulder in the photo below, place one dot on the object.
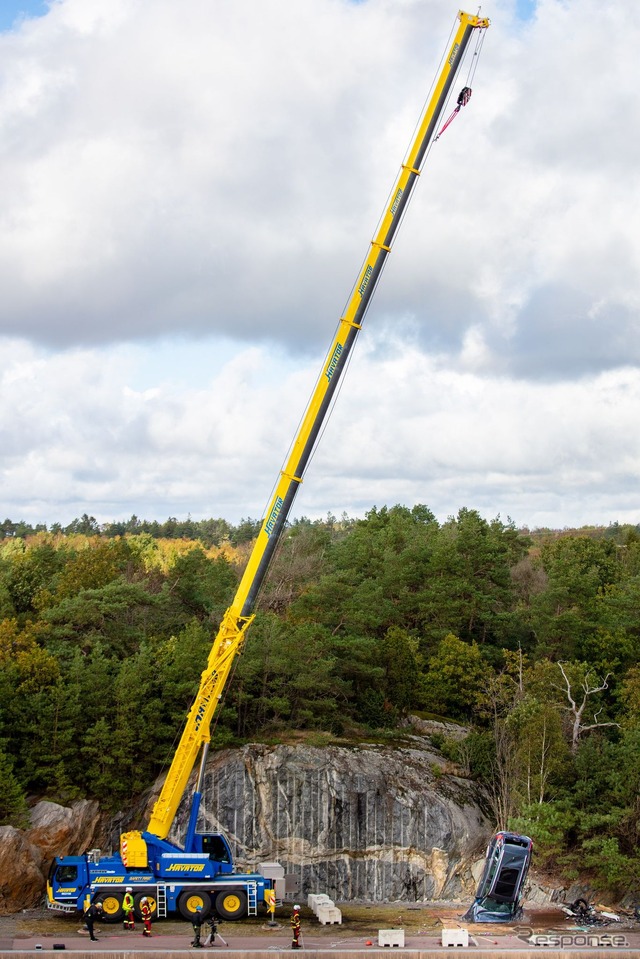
(64, 830)
(21, 880)
(427, 727)
(25, 856)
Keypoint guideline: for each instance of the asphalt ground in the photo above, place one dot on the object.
(34, 931)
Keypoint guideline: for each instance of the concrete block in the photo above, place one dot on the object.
(329, 915)
(270, 870)
(455, 937)
(391, 937)
(316, 899)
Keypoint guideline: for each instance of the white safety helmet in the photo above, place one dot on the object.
(296, 908)
(128, 889)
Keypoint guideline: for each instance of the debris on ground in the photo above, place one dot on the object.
(589, 915)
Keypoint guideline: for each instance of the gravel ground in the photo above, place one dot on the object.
(358, 934)
(358, 920)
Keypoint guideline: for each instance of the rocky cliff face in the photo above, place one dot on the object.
(25, 856)
(369, 823)
(22, 881)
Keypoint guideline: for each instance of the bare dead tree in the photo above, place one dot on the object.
(589, 686)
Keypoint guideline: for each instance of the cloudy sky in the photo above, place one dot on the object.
(188, 191)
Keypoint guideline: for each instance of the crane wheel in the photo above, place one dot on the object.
(231, 904)
(189, 901)
(112, 910)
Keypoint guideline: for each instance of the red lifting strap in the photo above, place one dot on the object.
(463, 98)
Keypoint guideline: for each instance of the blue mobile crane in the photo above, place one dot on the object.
(201, 875)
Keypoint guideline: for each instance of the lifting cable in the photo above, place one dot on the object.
(463, 99)
(465, 94)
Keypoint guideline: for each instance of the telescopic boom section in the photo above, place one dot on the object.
(237, 618)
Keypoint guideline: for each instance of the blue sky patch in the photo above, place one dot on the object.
(525, 9)
(12, 11)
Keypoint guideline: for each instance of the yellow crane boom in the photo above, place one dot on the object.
(231, 635)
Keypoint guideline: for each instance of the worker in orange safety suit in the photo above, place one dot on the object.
(145, 909)
(295, 928)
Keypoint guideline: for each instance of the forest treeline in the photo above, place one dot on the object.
(210, 532)
(532, 641)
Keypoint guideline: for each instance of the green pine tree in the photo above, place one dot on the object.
(13, 804)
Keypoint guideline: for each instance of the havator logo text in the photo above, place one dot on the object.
(333, 362)
(273, 515)
(394, 205)
(201, 711)
(186, 867)
(365, 280)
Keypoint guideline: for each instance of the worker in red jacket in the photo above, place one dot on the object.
(145, 910)
(295, 928)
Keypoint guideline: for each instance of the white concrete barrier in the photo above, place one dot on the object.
(315, 899)
(455, 937)
(329, 915)
(391, 937)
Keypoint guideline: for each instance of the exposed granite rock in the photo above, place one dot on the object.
(64, 830)
(21, 880)
(426, 727)
(25, 855)
(371, 822)
(541, 892)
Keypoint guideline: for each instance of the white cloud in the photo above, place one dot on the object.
(188, 191)
(78, 436)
